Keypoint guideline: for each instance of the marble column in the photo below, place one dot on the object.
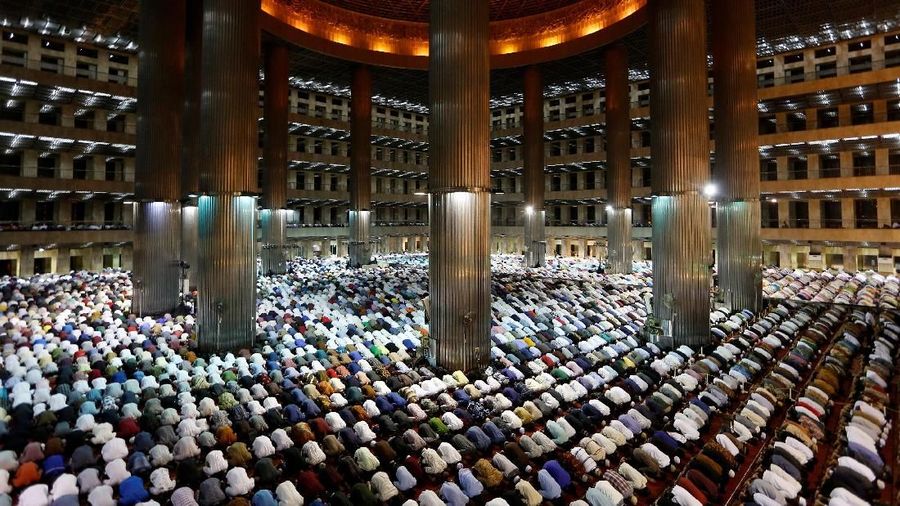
(737, 154)
(459, 184)
(533, 154)
(618, 160)
(680, 153)
(157, 212)
(226, 306)
(360, 166)
(274, 197)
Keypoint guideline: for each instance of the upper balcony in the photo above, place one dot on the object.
(75, 232)
(823, 235)
(55, 73)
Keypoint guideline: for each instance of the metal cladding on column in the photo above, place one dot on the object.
(737, 155)
(459, 184)
(275, 148)
(157, 246)
(680, 154)
(273, 256)
(226, 304)
(618, 160)
(193, 89)
(160, 95)
(226, 308)
(533, 152)
(189, 224)
(360, 166)
(190, 149)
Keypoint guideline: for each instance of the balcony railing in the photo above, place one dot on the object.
(825, 72)
(832, 223)
(768, 124)
(831, 172)
(118, 174)
(53, 226)
(124, 123)
(59, 68)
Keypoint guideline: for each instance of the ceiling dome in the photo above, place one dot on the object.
(395, 32)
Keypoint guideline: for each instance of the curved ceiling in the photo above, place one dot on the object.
(417, 10)
(523, 32)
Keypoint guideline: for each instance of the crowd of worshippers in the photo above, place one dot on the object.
(857, 471)
(331, 405)
(803, 386)
(839, 287)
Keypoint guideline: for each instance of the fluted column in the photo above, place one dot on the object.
(680, 154)
(459, 184)
(274, 197)
(533, 152)
(157, 216)
(190, 150)
(618, 160)
(360, 166)
(226, 307)
(737, 154)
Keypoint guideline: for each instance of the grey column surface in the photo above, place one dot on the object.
(226, 306)
(618, 160)
(274, 219)
(360, 166)
(26, 262)
(459, 185)
(273, 257)
(190, 149)
(533, 160)
(63, 260)
(157, 231)
(737, 155)
(680, 153)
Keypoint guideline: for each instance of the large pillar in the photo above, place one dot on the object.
(618, 160)
(737, 154)
(533, 152)
(274, 196)
(157, 212)
(360, 166)
(190, 150)
(226, 307)
(680, 154)
(459, 183)
(63, 260)
(26, 262)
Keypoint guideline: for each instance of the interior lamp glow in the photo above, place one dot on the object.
(529, 209)
(710, 190)
(609, 208)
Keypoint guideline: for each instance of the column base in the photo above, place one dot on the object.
(273, 256)
(459, 273)
(535, 241)
(618, 245)
(226, 301)
(739, 255)
(682, 259)
(156, 254)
